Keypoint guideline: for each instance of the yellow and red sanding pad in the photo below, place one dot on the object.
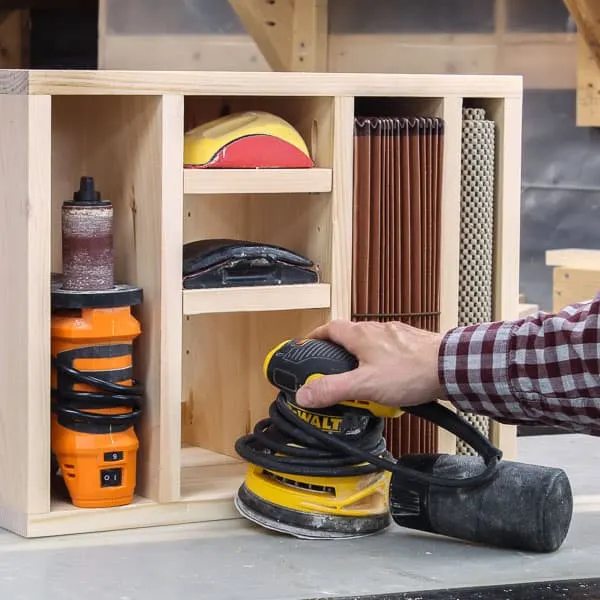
(248, 140)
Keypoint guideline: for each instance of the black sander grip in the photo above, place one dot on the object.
(524, 507)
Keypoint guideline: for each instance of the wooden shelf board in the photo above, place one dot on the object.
(208, 505)
(260, 298)
(208, 483)
(193, 456)
(224, 83)
(257, 181)
(574, 258)
(209, 475)
(201, 484)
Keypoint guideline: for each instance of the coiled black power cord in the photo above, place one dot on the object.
(286, 443)
(68, 403)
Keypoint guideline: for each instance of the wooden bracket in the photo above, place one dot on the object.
(309, 36)
(14, 43)
(586, 14)
(291, 34)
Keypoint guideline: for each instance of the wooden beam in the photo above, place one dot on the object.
(47, 4)
(270, 24)
(574, 258)
(546, 61)
(586, 14)
(571, 286)
(291, 34)
(13, 39)
(310, 36)
(588, 86)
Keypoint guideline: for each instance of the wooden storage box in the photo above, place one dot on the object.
(575, 275)
(200, 352)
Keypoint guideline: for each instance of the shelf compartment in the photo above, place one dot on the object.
(208, 483)
(310, 116)
(207, 475)
(137, 197)
(224, 389)
(259, 298)
(257, 181)
(65, 519)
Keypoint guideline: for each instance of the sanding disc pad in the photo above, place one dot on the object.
(306, 526)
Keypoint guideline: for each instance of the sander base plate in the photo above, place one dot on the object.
(306, 526)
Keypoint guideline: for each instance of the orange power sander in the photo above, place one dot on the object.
(95, 398)
(327, 474)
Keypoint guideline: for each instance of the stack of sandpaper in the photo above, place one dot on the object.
(397, 193)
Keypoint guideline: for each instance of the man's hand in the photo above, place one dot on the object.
(398, 365)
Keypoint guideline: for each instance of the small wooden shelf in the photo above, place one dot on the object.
(193, 456)
(208, 482)
(252, 299)
(207, 475)
(202, 376)
(257, 181)
(212, 503)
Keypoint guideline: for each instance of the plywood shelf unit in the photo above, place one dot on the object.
(201, 351)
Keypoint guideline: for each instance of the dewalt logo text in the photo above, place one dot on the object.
(322, 422)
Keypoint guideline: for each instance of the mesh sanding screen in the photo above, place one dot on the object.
(476, 231)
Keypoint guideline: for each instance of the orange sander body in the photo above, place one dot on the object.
(95, 399)
(95, 404)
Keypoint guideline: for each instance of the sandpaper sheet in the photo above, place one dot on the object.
(397, 194)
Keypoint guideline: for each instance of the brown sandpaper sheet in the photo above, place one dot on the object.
(397, 194)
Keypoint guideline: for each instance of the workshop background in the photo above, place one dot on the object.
(534, 38)
(559, 206)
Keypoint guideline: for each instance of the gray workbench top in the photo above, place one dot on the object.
(235, 560)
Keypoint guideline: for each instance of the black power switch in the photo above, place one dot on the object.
(111, 477)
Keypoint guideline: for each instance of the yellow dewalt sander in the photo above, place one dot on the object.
(326, 473)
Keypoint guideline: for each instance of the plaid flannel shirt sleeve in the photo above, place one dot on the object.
(543, 370)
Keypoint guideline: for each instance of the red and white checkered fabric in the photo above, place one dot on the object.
(542, 370)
